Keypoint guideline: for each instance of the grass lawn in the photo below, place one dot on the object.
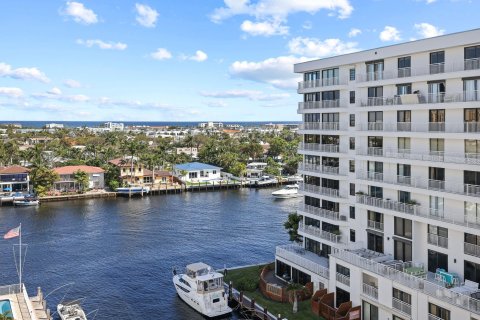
(285, 309)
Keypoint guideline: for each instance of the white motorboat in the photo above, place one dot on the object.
(265, 181)
(289, 191)
(71, 311)
(202, 289)
(133, 190)
(25, 201)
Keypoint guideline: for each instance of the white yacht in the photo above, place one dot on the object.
(289, 191)
(202, 289)
(265, 181)
(131, 190)
(71, 311)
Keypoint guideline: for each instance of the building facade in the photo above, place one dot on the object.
(14, 179)
(67, 182)
(194, 172)
(391, 167)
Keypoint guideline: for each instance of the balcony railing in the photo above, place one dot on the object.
(10, 289)
(303, 258)
(320, 190)
(333, 126)
(318, 83)
(370, 291)
(435, 68)
(429, 98)
(466, 127)
(322, 213)
(471, 249)
(307, 105)
(317, 168)
(402, 306)
(434, 317)
(343, 279)
(319, 233)
(332, 148)
(433, 156)
(437, 240)
(415, 283)
(375, 225)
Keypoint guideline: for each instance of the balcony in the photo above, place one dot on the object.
(325, 126)
(324, 104)
(466, 127)
(304, 258)
(343, 279)
(329, 192)
(319, 83)
(319, 233)
(331, 148)
(433, 156)
(322, 213)
(428, 287)
(471, 249)
(370, 291)
(429, 98)
(401, 306)
(437, 240)
(435, 68)
(434, 317)
(376, 225)
(317, 168)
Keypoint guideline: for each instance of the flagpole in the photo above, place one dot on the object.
(20, 268)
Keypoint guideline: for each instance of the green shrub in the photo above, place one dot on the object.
(245, 284)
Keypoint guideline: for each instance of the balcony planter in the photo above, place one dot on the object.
(412, 202)
(359, 193)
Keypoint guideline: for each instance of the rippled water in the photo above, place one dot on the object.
(119, 252)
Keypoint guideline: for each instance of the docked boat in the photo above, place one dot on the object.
(133, 190)
(202, 289)
(26, 201)
(71, 311)
(289, 191)
(265, 181)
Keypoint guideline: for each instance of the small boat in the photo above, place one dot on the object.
(26, 201)
(265, 181)
(202, 289)
(133, 190)
(71, 311)
(289, 191)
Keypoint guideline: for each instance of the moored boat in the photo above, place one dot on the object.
(289, 191)
(26, 201)
(133, 190)
(202, 289)
(71, 311)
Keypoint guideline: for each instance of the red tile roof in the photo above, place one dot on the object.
(123, 162)
(13, 170)
(161, 173)
(72, 169)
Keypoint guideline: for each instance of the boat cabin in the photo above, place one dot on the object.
(207, 279)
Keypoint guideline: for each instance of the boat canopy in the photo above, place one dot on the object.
(198, 269)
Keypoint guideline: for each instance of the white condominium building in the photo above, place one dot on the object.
(391, 166)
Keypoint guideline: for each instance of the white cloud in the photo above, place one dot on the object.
(427, 30)
(280, 8)
(102, 44)
(55, 91)
(146, 16)
(161, 54)
(312, 47)
(264, 28)
(80, 13)
(275, 71)
(199, 56)
(72, 83)
(56, 94)
(22, 73)
(11, 92)
(216, 104)
(249, 94)
(354, 32)
(307, 25)
(390, 34)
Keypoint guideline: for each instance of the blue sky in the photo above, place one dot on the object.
(190, 60)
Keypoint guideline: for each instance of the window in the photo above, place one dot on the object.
(330, 77)
(352, 143)
(437, 146)
(352, 212)
(370, 311)
(471, 88)
(436, 206)
(439, 312)
(376, 192)
(375, 96)
(352, 120)
(403, 227)
(375, 142)
(397, 318)
(352, 235)
(437, 236)
(437, 260)
(472, 147)
(472, 55)
(471, 271)
(472, 212)
(405, 88)
(437, 62)
(192, 175)
(375, 116)
(436, 92)
(331, 117)
(352, 97)
(342, 296)
(343, 270)
(436, 173)
(437, 120)
(375, 166)
(374, 70)
(403, 144)
(352, 74)
(375, 242)
(402, 296)
(402, 250)
(315, 96)
(330, 183)
(404, 67)
(214, 171)
(311, 76)
(404, 116)
(471, 178)
(351, 165)
(404, 170)
(404, 196)
(375, 220)
(352, 189)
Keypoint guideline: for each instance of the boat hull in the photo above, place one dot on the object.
(26, 203)
(286, 196)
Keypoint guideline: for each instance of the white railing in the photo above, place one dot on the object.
(320, 190)
(438, 156)
(323, 104)
(318, 168)
(370, 291)
(471, 249)
(437, 240)
(375, 225)
(10, 289)
(402, 306)
(466, 127)
(434, 317)
(466, 64)
(375, 126)
(318, 83)
(319, 233)
(301, 257)
(333, 148)
(333, 126)
(428, 98)
(323, 213)
(343, 279)
(369, 175)
(422, 285)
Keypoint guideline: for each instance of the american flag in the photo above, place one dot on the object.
(15, 232)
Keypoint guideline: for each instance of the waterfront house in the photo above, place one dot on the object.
(255, 169)
(197, 172)
(14, 179)
(66, 181)
(130, 173)
(190, 151)
(162, 177)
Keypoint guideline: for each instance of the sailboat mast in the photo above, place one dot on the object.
(20, 257)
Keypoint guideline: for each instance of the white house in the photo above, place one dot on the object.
(255, 169)
(197, 172)
(67, 181)
(193, 152)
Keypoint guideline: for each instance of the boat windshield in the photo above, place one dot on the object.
(210, 285)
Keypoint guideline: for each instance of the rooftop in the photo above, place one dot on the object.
(73, 169)
(194, 166)
(13, 170)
